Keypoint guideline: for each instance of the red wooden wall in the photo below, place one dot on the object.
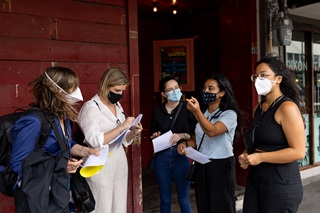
(84, 35)
(237, 38)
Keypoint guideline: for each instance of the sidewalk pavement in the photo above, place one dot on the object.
(310, 202)
(311, 196)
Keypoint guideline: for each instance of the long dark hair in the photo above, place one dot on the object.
(287, 86)
(228, 101)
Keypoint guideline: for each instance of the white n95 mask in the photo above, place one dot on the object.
(263, 86)
(73, 97)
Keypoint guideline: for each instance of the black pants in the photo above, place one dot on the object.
(215, 186)
(273, 188)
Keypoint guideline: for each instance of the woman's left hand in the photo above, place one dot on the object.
(137, 129)
(90, 151)
(83, 151)
(176, 137)
(254, 159)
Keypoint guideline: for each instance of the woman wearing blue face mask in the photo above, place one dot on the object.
(214, 136)
(168, 164)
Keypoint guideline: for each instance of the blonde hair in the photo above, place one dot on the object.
(113, 76)
(49, 97)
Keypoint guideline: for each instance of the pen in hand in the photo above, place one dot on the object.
(125, 114)
(122, 111)
(73, 160)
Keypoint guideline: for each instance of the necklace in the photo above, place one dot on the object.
(273, 103)
(277, 99)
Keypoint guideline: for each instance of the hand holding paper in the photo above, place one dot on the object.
(162, 142)
(196, 156)
(94, 163)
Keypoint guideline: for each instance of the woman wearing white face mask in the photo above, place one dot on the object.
(168, 164)
(55, 93)
(274, 142)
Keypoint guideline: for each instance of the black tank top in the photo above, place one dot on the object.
(269, 135)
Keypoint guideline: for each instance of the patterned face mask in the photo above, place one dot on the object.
(209, 97)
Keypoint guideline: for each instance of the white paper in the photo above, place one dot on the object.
(119, 137)
(100, 160)
(136, 121)
(162, 142)
(196, 156)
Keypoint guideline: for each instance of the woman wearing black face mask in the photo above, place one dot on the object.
(215, 131)
(102, 119)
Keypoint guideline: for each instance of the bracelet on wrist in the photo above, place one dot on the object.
(187, 143)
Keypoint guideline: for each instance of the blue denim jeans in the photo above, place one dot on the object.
(170, 166)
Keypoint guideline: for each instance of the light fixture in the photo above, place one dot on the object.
(174, 7)
(155, 3)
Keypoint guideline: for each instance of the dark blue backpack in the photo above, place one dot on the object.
(7, 177)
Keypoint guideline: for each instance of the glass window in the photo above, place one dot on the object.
(316, 56)
(295, 61)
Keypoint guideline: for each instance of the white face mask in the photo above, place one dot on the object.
(263, 86)
(73, 97)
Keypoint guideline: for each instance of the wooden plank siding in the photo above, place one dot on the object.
(85, 35)
(135, 181)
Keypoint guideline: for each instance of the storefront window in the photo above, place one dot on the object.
(316, 64)
(295, 60)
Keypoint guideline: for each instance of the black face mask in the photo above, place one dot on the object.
(113, 97)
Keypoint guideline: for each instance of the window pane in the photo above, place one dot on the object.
(316, 64)
(295, 60)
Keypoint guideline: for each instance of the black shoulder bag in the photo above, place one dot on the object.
(191, 171)
(80, 190)
(44, 185)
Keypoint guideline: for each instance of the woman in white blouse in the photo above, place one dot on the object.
(102, 119)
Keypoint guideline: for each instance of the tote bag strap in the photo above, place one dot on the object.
(216, 115)
(175, 117)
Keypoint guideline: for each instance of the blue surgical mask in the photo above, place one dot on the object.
(174, 95)
(209, 97)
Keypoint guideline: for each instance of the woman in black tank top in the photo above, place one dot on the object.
(274, 142)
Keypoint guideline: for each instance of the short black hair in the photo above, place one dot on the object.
(164, 81)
